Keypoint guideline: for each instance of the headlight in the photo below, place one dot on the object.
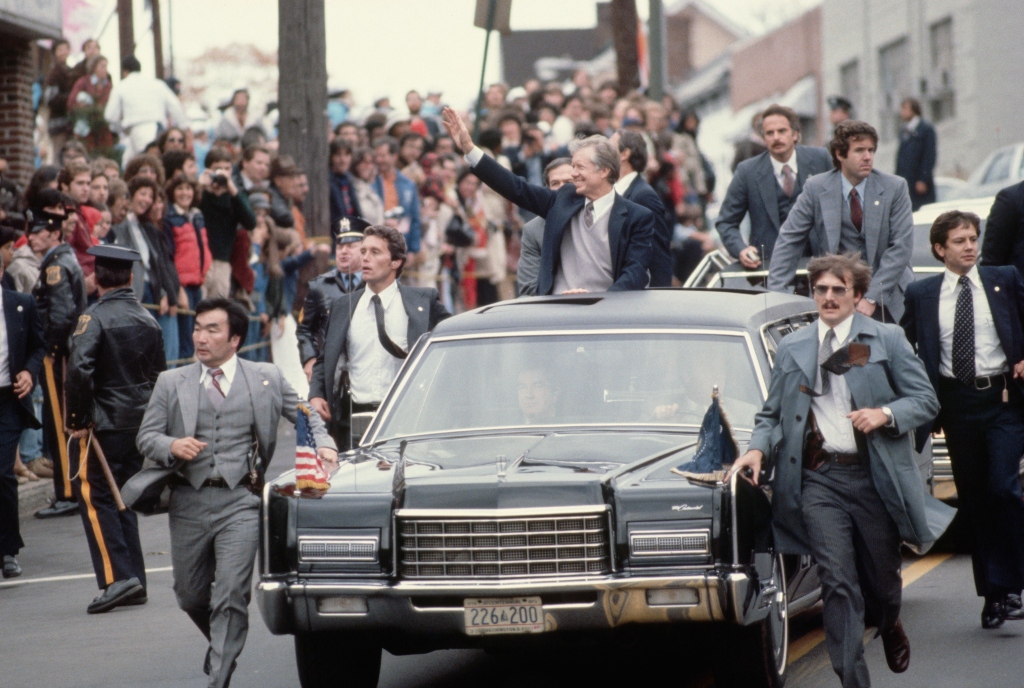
(660, 543)
(328, 548)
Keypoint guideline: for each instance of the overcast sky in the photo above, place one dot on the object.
(381, 47)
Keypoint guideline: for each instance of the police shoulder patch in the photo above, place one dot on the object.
(83, 323)
(53, 275)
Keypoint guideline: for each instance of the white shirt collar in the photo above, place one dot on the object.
(602, 205)
(912, 124)
(385, 296)
(951, 278)
(624, 182)
(228, 368)
(842, 330)
(777, 166)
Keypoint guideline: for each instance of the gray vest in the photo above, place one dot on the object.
(228, 433)
(850, 238)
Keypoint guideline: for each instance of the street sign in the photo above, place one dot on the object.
(502, 11)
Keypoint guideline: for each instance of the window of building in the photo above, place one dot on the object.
(894, 86)
(849, 83)
(941, 94)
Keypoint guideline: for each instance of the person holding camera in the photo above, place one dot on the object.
(225, 210)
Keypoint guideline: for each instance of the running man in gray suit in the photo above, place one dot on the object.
(834, 437)
(853, 208)
(215, 423)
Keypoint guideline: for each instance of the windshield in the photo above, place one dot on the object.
(588, 379)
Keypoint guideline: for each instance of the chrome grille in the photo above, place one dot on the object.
(482, 547)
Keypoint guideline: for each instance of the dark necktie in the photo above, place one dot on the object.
(856, 211)
(788, 180)
(824, 351)
(963, 334)
(382, 334)
(588, 215)
(214, 392)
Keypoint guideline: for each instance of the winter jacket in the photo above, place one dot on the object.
(187, 233)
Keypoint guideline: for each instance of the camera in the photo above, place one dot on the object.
(219, 180)
(395, 213)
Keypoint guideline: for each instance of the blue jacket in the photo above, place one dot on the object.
(1004, 288)
(630, 226)
(915, 161)
(642, 193)
(409, 199)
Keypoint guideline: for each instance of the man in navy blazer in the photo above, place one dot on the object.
(633, 187)
(915, 158)
(594, 240)
(766, 190)
(967, 326)
(20, 361)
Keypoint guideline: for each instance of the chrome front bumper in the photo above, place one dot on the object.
(584, 604)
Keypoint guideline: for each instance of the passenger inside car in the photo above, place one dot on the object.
(537, 397)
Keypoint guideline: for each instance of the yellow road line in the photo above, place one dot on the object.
(911, 573)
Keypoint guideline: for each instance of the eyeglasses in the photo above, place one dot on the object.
(823, 290)
(175, 140)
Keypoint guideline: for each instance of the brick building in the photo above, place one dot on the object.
(21, 23)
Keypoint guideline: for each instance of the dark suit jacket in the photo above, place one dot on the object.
(423, 306)
(753, 190)
(642, 193)
(915, 161)
(1004, 231)
(25, 345)
(1004, 288)
(630, 226)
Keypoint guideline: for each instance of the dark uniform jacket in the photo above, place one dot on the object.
(117, 353)
(317, 309)
(60, 297)
(1004, 231)
(25, 346)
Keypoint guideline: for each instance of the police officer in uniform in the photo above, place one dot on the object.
(60, 298)
(345, 278)
(116, 354)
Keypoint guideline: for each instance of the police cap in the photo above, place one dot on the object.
(42, 219)
(839, 103)
(350, 229)
(114, 257)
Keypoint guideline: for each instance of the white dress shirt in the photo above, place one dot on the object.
(911, 126)
(830, 410)
(777, 167)
(372, 369)
(228, 368)
(142, 99)
(989, 357)
(5, 361)
(623, 183)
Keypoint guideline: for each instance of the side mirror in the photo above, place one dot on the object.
(360, 423)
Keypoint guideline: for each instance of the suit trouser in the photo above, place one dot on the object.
(54, 437)
(857, 547)
(113, 535)
(985, 438)
(214, 539)
(10, 434)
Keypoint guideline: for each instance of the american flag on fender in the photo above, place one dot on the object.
(309, 470)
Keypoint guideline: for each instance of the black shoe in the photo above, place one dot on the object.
(58, 508)
(11, 567)
(139, 598)
(1013, 601)
(993, 614)
(116, 594)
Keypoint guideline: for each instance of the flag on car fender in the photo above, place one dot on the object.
(715, 445)
(309, 469)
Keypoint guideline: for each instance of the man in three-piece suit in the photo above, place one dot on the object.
(844, 394)
(594, 240)
(632, 186)
(1004, 230)
(766, 186)
(211, 427)
(22, 349)
(853, 208)
(968, 326)
(369, 335)
(915, 158)
(557, 174)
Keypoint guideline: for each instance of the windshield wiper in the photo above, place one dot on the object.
(578, 466)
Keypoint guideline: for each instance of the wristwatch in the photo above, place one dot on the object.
(888, 414)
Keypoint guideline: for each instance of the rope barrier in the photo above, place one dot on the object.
(185, 311)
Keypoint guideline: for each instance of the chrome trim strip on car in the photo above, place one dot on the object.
(501, 513)
(265, 527)
(732, 508)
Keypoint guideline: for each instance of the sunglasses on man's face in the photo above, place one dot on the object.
(822, 290)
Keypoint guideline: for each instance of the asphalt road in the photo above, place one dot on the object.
(47, 639)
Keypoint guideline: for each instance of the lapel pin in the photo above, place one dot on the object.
(997, 288)
(265, 383)
(876, 202)
(419, 308)
(20, 309)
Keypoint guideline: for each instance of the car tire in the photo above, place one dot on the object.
(756, 656)
(333, 660)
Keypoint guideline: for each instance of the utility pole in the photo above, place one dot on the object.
(158, 39)
(656, 50)
(125, 28)
(624, 26)
(302, 102)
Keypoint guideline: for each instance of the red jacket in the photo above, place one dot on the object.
(81, 238)
(192, 255)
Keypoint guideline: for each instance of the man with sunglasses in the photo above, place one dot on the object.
(845, 487)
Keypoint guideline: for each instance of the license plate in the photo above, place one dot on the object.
(501, 615)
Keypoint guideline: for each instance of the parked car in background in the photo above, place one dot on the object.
(1003, 167)
(948, 188)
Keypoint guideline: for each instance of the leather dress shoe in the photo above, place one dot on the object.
(58, 508)
(12, 569)
(998, 610)
(1013, 601)
(116, 594)
(897, 648)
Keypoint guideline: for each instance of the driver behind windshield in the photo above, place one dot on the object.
(537, 397)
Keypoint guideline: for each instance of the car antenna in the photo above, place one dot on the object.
(765, 263)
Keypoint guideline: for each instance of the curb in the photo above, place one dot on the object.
(34, 496)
